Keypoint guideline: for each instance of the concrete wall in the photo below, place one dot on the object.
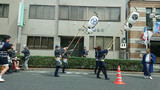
(8, 26)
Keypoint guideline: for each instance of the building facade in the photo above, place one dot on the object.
(56, 22)
(136, 46)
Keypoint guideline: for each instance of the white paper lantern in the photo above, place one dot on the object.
(133, 18)
(151, 15)
(93, 22)
(127, 26)
(90, 31)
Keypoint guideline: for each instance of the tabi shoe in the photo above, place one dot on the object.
(150, 78)
(107, 78)
(145, 77)
(99, 77)
(56, 76)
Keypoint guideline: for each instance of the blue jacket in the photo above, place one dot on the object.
(96, 54)
(4, 46)
(84, 52)
(101, 53)
(153, 60)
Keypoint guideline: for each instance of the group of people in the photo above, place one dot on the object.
(61, 53)
(8, 58)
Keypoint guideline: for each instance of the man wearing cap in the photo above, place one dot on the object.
(4, 46)
(26, 53)
(57, 53)
(65, 58)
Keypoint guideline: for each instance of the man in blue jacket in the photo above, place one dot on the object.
(148, 60)
(4, 47)
(102, 65)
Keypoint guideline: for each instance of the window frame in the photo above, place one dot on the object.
(71, 19)
(112, 49)
(149, 18)
(157, 14)
(42, 12)
(40, 43)
(3, 4)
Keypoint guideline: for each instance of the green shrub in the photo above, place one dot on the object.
(84, 63)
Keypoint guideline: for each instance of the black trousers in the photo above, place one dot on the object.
(64, 67)
(97, 64)
(56, 71)
(103, 68)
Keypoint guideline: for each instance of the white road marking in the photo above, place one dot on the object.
(85, 73)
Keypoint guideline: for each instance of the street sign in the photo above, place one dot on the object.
(21, 14)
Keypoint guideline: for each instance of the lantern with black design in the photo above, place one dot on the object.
(131, 21)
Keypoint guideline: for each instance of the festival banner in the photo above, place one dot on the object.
(157, 28)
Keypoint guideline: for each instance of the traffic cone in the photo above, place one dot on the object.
(119, 77)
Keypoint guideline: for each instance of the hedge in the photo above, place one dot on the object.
(84, 63)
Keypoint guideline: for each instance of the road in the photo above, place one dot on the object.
(42, 79)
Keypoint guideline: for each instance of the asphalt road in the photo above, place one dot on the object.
(42, 79)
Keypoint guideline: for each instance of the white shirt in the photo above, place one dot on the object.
(147, 59)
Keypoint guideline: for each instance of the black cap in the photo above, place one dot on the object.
(57, 46)
(6, 37)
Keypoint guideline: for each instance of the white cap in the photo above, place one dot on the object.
(24, 45)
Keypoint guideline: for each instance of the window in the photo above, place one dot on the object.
(107, 41)
(74, 12)
(1, 38)
(91, 42)
(103, 42)
(91, 10)
(149, 22)
(158, 13)
(101, 13)
(113, 14)
(37, 42)
(117, 44)
(64, 12)
(4, 10)
(42, 12)
(82, 13)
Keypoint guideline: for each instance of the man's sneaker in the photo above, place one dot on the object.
(150, 78)
(2, 80)
(145, 77)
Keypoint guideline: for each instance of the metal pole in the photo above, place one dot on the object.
(18, 46)
(56, 38)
